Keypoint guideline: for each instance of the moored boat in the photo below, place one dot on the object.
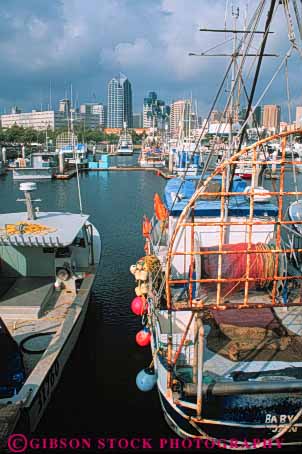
(39, 165)
(125, 144)
(221, 303)
(48, 263)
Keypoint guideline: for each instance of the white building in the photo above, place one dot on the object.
(47, 119)
(180, 117)
(50, 119)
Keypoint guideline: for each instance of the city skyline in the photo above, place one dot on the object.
(51, 47)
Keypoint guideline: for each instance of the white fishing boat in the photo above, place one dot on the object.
(151, 157)
(39, 165)
(125, 144)
(48, 263)
(219, 289)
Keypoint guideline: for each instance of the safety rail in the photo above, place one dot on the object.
(252, 254)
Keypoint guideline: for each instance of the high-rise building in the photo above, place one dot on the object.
(94, 108)
(155, 112)
(64, 106)
(254, 119)
(271, 117)
(137, 120)
(298, 116)
(119, 103)
(216, 116)
(180, 117)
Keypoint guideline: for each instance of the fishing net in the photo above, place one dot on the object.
(234, 266)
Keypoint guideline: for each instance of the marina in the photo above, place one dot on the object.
(109, 326)
(151, 245)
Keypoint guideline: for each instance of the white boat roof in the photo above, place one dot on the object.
(61, 229)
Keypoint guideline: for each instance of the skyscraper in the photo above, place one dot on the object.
(271, 117)
(119, 102)
(180, 117)
(155, 112)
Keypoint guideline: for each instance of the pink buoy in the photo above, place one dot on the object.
(138, 306)
(143, 337)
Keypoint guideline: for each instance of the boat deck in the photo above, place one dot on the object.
(31, 306)
(260, 342)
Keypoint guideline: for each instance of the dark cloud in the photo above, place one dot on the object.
(87, 42)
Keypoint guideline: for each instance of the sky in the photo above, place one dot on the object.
(83, 44)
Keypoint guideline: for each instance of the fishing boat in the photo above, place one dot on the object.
(151, 157)
(219, 292)
(125, 144)
(153, 151)
(39, 165)
(75, 155)
(221, 298)
(48, 263)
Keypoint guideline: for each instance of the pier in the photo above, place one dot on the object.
(159, 172)
(65, 176)
(72, 172)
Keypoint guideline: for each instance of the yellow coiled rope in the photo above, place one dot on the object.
(26, 228)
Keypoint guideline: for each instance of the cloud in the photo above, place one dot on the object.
(87, 43)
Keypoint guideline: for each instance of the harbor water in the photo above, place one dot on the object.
(97, 395)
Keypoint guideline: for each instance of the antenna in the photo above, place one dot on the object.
(71, 100)
(27, 188)
(50, 105)
(76, 161)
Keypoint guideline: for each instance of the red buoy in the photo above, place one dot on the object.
(138, 306)
(143, 337)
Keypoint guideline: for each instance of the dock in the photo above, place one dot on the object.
(159, 172)
(67, 175)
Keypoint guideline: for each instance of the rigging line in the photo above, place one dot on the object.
(255, 18)
(257, 71)
(264, 151)
(290, 120)
(76, 164)
(291, 33)
(225, 14)
(217, 45)
(197, 144)
(288, 54)
(256, 15)
(298, 18)
(248, 44)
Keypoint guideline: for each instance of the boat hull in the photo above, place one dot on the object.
(219, 433)
(33, 174)
(124, 153)
(40, 385)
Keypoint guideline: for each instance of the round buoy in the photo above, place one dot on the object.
(132, 269)
(138, 306)
(146, 379)
(143, 337)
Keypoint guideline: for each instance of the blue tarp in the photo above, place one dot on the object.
(238, 206)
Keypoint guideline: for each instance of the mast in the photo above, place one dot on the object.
(231, 115)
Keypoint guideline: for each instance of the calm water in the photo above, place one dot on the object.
(97, 395)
